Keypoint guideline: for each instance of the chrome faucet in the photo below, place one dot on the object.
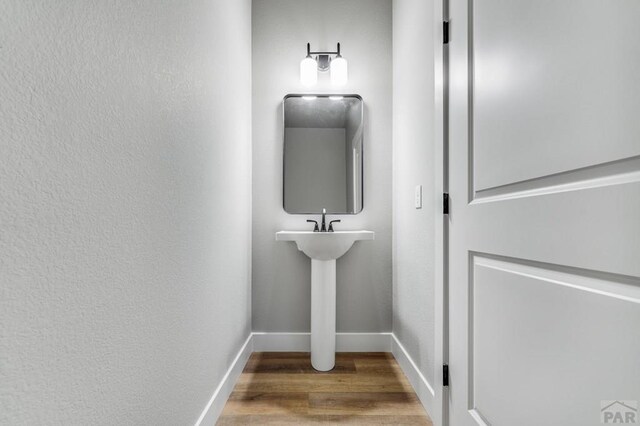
(323, 228)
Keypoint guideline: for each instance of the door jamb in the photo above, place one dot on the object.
(441, 138)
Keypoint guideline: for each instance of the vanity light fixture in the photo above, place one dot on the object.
(323, 62)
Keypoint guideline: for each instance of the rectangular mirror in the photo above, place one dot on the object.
(323, 154)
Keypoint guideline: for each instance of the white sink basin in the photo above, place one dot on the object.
(324, 245)
(323, 248)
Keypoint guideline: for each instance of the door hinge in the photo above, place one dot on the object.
(445, 375)
(445, 32)
(445, 203)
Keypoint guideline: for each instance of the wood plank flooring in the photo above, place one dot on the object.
(281, 388)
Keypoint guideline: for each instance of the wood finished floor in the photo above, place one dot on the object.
(281, 388)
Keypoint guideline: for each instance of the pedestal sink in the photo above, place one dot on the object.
(323, 248)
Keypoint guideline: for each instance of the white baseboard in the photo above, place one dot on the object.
(301, 342)
(216, 404)
(420, 384)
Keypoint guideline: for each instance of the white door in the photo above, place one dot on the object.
(544, 168)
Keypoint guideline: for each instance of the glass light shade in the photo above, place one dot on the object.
(308, 71)
(339, 74)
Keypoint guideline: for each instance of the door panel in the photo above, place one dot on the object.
(532, 361)
(556, 86)
(544, 225)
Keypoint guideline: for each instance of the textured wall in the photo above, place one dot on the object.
(124, 208)
(413, 164)
(282, 274)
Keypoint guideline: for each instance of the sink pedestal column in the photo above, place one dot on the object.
(323, 314)
(323, 248)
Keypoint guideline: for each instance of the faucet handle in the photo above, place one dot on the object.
(331, 224)
(315, 228)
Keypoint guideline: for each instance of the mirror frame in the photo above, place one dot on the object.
(322, 95)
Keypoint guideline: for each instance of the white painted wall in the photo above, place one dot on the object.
(413, 164)
(281, 274)
(125, 208)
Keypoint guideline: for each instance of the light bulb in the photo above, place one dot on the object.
(339, 75)
(308, 71)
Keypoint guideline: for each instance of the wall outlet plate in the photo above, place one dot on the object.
(418, 197)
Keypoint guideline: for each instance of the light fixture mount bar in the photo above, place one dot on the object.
(323, 58)
(309, 52)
